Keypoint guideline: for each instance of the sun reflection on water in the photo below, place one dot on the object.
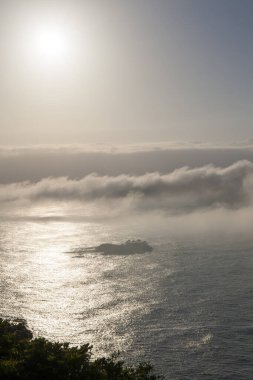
(88, 298)
(159, 306)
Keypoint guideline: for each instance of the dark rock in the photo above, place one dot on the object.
(127, 248)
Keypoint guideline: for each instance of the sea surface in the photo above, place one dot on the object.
(187, 306)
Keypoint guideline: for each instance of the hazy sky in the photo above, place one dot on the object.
(115, 71)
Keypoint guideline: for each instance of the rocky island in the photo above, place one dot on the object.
(127, 248)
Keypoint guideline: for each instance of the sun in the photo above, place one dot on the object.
(50, 44)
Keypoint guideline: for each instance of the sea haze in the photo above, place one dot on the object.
(185, 305)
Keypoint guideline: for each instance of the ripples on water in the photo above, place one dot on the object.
(186, 306)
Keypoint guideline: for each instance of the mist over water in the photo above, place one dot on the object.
(186, 306)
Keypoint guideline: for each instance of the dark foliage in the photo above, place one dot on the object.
(25, 358)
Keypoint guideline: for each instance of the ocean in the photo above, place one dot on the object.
(187, 306)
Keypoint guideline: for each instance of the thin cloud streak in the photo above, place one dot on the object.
(20, 150)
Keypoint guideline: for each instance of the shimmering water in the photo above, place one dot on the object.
(187, 306)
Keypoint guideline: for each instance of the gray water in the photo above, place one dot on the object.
(187, 306)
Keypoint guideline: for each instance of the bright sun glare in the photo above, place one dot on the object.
(51, 44)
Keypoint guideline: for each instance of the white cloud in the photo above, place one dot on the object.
(181, 191)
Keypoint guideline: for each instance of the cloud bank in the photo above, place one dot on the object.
(182, 191)
(18, 164)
